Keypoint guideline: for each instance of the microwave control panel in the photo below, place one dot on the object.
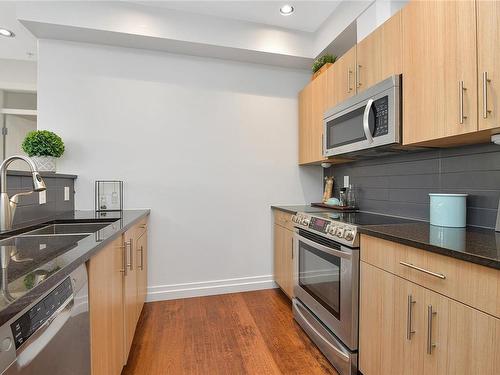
(381, 109)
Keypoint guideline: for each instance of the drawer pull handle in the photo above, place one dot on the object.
(438, 275)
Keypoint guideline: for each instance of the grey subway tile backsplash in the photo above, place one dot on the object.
(29, 208)
(400, 184)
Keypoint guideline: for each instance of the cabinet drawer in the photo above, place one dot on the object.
(283, 218)
(469, 283)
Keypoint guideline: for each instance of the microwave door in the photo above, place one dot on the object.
(345, 131)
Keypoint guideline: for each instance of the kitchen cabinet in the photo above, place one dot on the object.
(283, 253)
(312, 105)
(117, 290)
(341, 79)
(379, 55)
(439, 70)
(384, 345)
(488, 57)
(105, 271)
(416, 329)
(130, 287)
(142, 266)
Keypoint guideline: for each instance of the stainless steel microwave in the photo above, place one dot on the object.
(365, 121)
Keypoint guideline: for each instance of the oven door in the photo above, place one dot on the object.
(326, 282)
(370, 119)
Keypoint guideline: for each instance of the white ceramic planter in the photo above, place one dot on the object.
(45, 163)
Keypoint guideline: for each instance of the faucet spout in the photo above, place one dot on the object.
(8, 205)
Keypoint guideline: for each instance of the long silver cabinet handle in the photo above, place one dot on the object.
(131, 253)
(461, 90)
(349, 72)
(358, 76)
(142, 259)
(486, 80)
(430, 315)
(124, 259)
(409, 329)
(409, 265)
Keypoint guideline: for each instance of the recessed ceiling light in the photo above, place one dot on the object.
(7, 33)
(286, 10)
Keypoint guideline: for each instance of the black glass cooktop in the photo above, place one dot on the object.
(361, 218)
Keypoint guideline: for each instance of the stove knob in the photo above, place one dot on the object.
(305, 221)
(333, 230)
(294, 218)
(349, 235)
(340, 232)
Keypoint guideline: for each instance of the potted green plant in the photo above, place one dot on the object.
(322, 61)
(43, 147)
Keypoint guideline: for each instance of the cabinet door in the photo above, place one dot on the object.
(341, 79)
(130, 289)
(312, 106)
(462, 340)
(142, 269)
(439, 57)
(488, 35)
(106, 309)
(288, 261)
(391, 340)
(279, 266)
(379, 55)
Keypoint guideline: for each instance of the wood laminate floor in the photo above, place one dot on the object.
(242, 333)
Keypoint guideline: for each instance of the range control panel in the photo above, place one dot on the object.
(33, 319)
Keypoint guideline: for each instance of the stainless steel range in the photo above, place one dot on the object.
(326, 283)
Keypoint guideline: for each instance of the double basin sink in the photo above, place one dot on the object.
(67, 229)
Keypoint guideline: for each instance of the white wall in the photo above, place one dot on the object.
(376, 14)
(17, 74)
(207, 144)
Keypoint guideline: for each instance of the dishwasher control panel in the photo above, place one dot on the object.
(37, 315)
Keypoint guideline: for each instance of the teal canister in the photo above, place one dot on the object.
(448, 210)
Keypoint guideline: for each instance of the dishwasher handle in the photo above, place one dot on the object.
(47, 331)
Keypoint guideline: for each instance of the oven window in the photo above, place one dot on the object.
(319, 275)
(345, 129)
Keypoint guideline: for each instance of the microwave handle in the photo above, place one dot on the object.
(366, 125)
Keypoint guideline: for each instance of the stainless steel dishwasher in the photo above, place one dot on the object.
(51, 336)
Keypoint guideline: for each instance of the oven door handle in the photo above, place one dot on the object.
(328, 250)
(366, 118)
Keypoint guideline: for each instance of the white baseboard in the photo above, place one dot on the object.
(209, 288)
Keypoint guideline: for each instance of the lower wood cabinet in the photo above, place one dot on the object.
(408, 329)
(106, 309)
(117, 291)
(283, 256)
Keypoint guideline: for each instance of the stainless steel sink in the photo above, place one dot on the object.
(66, 229)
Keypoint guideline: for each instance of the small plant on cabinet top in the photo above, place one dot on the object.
(320, 61)
(43, 143)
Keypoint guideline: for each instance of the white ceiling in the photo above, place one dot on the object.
(308, 15)
(23, 44)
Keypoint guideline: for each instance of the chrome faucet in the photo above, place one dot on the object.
(8, 205)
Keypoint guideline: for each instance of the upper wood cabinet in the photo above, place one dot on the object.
(488, 58)
(341, 79)
(379, 55)
(439, 70)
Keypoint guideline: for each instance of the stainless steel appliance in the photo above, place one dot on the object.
(51, 336)
(371, 119)
(326, 283)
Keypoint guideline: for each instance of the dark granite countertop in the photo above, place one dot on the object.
(471, 244)
(300, 208)
(23, 256)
